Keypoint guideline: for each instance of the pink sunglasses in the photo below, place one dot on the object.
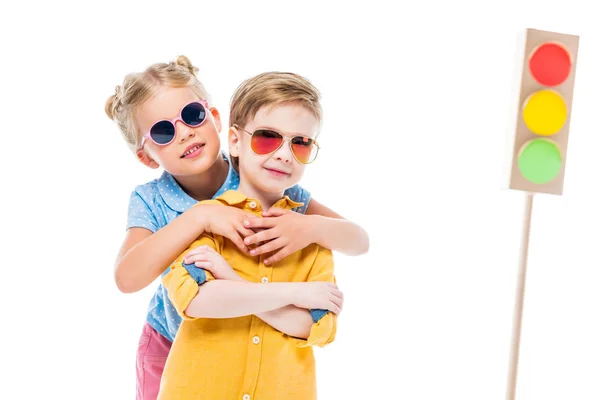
(163, 131)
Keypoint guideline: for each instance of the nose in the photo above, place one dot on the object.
(183, 131)
(284, 153)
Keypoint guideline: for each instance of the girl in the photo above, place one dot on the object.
(166, 117)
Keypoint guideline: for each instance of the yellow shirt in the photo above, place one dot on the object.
(244, 358)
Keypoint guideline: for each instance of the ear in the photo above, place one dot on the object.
(146, 159)
(234, 142)
(217, 118)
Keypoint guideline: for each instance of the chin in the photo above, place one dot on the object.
(273, 189)
(206, 160)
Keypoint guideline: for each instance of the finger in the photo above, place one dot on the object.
(244, 232)
(260, 223)
(337, 294)
(262, 236)
(280, 255)
(274, 212)
(247, 214)
(235, 237)
(195, 257)
(196, 250)
(203, 264)
(268, 247)
(336, 300)
(334, 308)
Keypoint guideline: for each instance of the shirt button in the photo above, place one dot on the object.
(264, 279)
(256, 340)
(246, 397)
(252, 205)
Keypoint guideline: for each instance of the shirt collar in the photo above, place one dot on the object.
(173, 195)
(236, 198)
(178, 200)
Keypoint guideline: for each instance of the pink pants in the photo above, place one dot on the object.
(153, 350)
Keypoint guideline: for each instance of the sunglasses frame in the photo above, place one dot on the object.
(204, 104)
(285, 137)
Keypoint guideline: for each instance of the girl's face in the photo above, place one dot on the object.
(194, 149)
(275, 172)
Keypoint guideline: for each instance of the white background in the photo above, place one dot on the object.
(417, 102)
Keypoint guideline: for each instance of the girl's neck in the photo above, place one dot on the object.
(203, 186)
(266, 200)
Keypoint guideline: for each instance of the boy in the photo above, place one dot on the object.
(248, 327)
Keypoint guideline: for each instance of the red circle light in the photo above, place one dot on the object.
(550, 64)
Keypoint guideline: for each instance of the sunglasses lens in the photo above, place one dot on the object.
(304, 149)
(265, 141)
(193, 114)
(162, 132)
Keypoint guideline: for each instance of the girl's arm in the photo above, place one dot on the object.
(144, 255)
(334, 232)
(289, 231)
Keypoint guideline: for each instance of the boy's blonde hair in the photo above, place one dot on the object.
(272, 89)
(140, 86)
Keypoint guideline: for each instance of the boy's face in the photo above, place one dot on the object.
(279, 170)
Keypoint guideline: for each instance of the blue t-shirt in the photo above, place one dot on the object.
(158, 202)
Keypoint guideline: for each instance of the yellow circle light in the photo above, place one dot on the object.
(545, 112)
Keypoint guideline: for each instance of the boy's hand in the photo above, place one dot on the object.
(227, 222)
(282, 230)
(318, 295)
(207, 258)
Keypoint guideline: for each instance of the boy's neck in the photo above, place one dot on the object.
(266, 200)
(205, 185)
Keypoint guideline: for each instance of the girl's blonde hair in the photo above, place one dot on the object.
(140, 86)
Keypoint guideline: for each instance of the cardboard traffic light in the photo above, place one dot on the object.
(547, 63)
(546, 79)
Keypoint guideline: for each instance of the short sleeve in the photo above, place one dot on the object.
(140, 215)
(298, 194)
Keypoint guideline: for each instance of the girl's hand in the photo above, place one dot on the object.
(207, 258)
(283, 230)
(227, 222)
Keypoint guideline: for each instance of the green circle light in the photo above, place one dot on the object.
(540, 161)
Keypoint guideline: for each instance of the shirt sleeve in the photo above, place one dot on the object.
(183, 280)
(324, 327)
(139, 214)
(298, 194)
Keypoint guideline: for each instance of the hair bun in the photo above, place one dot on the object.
(113, 102)
(185, 62)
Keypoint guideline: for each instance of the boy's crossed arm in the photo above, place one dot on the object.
(320, 324)
(195, 293)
